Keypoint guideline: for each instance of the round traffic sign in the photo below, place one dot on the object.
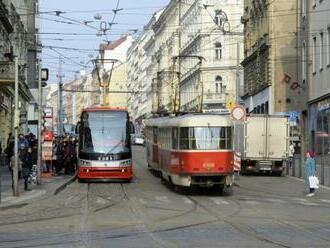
(238, 113)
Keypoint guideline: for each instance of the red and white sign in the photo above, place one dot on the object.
(238, 113)
(48, 112)
(237, 161)
(47, 151)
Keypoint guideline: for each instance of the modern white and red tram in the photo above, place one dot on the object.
(192, 149)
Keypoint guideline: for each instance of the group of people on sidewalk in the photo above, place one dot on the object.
(27, 155)
(64, 155)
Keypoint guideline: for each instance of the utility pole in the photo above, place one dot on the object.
(60, 99)
(179, 64)
(16, 126)
(237, 75)
(39, 123)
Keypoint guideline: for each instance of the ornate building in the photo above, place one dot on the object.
(17, 38)
(271, 56)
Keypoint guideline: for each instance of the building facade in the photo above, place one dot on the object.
(141, 68)
(187, 58)
(319, 68)
(17, 38)
(211, 47)
(271, 57)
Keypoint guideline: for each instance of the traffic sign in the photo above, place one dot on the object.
(293, 117)
(238, 113)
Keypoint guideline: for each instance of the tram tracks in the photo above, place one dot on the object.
(46, 212)
(244, 229)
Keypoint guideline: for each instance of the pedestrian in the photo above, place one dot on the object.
(291, 154)
(309, 170)
(25, 156)
(67, 156)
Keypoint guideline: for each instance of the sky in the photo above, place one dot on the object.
(64, 33)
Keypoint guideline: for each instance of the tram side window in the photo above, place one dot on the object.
(175, 137)
(205, 138)
(184, 138)
(155, 135)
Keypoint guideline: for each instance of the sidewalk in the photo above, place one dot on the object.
(49, 186)
(298, 170)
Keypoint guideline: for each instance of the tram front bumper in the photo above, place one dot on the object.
(125, 173)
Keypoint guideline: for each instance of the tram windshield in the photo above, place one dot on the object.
(206, 138)
(104, 132)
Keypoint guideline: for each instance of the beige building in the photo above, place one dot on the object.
(271, 56)
(117, 96)
(190, 57)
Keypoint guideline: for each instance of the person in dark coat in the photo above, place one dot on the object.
(67, 156)
(25, 156)
(309, 170)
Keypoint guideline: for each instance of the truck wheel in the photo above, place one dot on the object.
(278, 173)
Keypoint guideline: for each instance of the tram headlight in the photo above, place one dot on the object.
(126, 162)
(84, 163)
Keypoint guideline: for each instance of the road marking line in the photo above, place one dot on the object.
(66, 203)
(274, 200)
(144, 202)
(219, 201)
(252, 202)
(309, 204)
(188, 201)
(162, 199)
(100, 200)
(300, 199)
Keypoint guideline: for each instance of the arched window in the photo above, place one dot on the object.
(218, 50)
(218, 84)
(218, 18)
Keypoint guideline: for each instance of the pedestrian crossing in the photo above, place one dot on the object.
(228, 201)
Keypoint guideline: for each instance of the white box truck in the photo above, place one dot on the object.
(265, 144)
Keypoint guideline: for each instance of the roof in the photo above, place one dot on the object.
(113, 44)
(191, 120)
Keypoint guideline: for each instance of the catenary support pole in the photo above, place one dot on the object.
(16, 125)
(39, 123)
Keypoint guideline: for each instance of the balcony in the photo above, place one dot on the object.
(213, 97)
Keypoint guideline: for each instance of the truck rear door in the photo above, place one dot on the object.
(277, 137)
(255, 137)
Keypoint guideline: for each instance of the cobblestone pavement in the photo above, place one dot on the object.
(263, 212)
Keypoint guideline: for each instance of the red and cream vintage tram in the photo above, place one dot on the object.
(192, 149)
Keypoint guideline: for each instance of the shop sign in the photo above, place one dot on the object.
(4, 101)
(48, 112)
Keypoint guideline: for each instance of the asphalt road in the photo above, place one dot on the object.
(263, 212)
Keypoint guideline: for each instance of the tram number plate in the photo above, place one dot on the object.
(208, 166)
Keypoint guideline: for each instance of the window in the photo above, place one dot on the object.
(314, 3)
(175, 136)
(206, 138)
(218, 51)
(218, 84)
(321, 51)
(314, 54)
(155, 135)
(304, 59)
(218, 18)
(303, 7)
(328, 46)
